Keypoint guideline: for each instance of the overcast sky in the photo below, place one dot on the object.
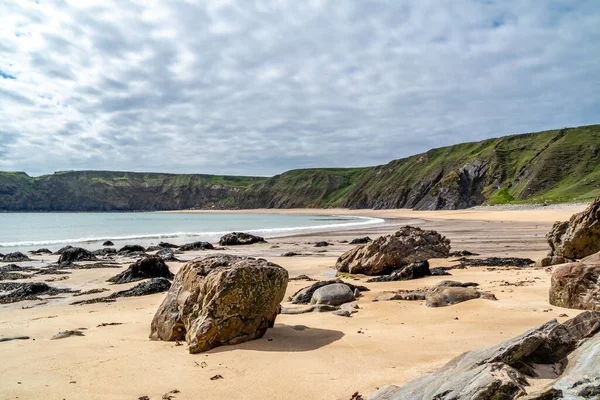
(259, 87)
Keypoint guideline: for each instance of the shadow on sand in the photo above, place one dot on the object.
(287, 338)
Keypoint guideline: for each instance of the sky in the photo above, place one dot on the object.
(260, 87)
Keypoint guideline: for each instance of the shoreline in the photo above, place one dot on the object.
(321, 355)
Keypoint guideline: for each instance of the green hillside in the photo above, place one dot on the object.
(553, 166)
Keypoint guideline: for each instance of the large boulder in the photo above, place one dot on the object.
(220, 300)
(579, 237)
(132, 248)
(502, 371)
(196, 246)
(333, 295)
(577, 285)
(76, 254)
(239, 238)
(387, 253)
(147, 267)
(15, 257)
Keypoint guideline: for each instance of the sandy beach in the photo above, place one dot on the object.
(312, 356)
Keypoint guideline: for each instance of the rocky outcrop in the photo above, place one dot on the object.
(391, 252)
(196, 246)
(579, 237)
(76, 254)
(40, 252)
(220, 300)
(17, 256)
(147, 267)
(414, 270)
(334, 295)
(28, 291)
(240, 238)
(577, 285)
(505, 371)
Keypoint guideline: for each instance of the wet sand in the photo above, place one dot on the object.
(316, 356)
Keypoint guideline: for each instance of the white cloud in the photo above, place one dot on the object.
(260, 87)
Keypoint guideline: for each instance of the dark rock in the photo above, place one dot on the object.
(290, 254)
(579, 237)
(388, 253)
(108, 243)
(8, 339)
(91, 291)
(62, 249)
(166, 245)
(105, 251)
(39, 252)
(167, 254)
(495, 262)
(361, 240)
(302, 278)
(502, 371)
(440, 271)
(76, 254)
(69, 265)
(132, 248)
(333, 295)
(29, 291)
(13, 276)
(414, 270)
(51, 271)
(304, 296)
(321, 244)
(220, 300)
(462, 253)
(240, 238)
(577, 285)
(66, 334)
(152, 286)
(148, 267)
(17, 256)
(196, 246)
(152, 248)
(15, 268)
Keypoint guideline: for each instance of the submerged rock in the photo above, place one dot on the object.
(392, 252)
(240, 238)
(220, 300)
(577, 285)
(17, 256)
(76, 254)
(502, 371)
(196, 246)
(148, 267)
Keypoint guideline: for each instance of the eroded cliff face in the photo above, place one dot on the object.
(559, 165)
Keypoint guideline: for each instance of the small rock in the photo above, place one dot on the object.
(108, 243)
(342, 313)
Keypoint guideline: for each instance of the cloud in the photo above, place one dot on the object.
(238, 87)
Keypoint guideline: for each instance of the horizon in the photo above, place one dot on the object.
(256, 89)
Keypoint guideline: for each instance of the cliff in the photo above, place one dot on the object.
(551, 166)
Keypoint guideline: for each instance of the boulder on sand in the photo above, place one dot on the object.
(108, 243)
(577, 285)
(147, 267)
(76, 254)
(305, 295)
(334, 295)
(391, 252)
(502, 371)
(361, 240)
(17, 256)
(578, 237)
(130, 248)
(239, 238)
(414, 270)
(220, 300)
(196, 246)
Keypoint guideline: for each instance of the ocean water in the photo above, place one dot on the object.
(29, 231)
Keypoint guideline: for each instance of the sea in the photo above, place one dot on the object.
(30, 231)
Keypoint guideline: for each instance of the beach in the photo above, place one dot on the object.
(314, 355)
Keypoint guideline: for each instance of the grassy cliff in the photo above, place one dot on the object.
(552, 166)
